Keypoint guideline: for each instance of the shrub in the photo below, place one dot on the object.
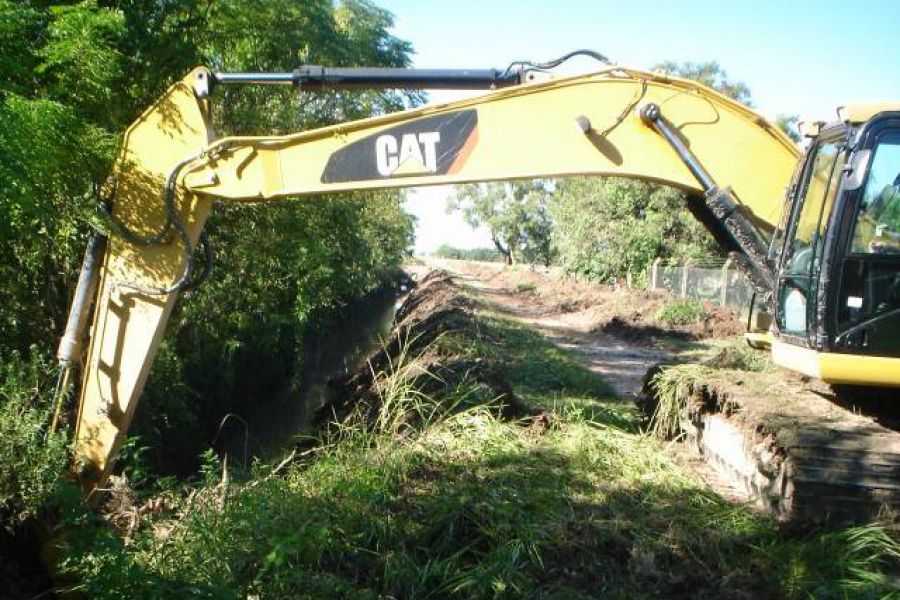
(30, 465)
(684, 312)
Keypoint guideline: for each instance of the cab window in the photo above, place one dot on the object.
(877, 226)
(804, 251)
(817, 201)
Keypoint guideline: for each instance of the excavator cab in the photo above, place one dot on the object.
(838, 289)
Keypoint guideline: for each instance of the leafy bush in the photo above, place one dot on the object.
(607, 228)
(683, 312)
(30, 465)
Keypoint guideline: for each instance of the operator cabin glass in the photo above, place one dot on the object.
(870, 275)
(877, 226)
(798, 290)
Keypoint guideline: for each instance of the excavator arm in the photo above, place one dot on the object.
(615, 122)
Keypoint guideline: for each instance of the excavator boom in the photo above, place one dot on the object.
(171, 168)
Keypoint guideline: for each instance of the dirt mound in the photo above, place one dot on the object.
(719, 322)
(415, 358)
(635, 332)
(640, 327)
(614, 309)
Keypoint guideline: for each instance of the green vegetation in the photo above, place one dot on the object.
(74, 76)
(32, 464)
(452, 500)
(605, 229)
(680, 312)
(516, 215)
(478, 254)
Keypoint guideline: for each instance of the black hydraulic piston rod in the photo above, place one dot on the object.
(313, 77)
(720, 206)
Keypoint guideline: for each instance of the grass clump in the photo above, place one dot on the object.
(452, 499)
(31, 463)
(673, 391)
(524, 287)
(737, 355)
(682, 312)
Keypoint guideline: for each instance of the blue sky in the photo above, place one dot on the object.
(797, 57)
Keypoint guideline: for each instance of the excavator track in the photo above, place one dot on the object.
(799, 449)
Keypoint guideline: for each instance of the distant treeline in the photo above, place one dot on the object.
(480, 254)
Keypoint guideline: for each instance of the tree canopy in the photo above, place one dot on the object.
(515, 213)
(73, 75)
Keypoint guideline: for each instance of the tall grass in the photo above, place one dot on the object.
(438, 496)
(672, 389)
(31, 462)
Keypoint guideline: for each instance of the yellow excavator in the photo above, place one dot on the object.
(817, 234)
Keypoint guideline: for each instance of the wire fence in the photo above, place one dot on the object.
(716, 281)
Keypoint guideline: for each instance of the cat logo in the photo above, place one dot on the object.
(435, 145)
(414, 154)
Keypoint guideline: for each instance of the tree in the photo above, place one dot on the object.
(710, 74)
(515, 214)
(788, 124)
(73, 75)
(606, 228)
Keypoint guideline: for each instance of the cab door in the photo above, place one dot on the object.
(797, 295)
(866, 316)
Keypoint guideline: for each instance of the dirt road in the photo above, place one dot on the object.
(563, 311)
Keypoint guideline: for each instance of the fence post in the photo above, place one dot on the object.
(724, 298)
(654, 273)
(686, 269)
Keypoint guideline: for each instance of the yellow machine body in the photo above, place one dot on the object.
(583, 125)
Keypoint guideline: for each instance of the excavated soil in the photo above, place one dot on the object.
(610, 329)
(804, 452)
(435, 307)
(616, 310)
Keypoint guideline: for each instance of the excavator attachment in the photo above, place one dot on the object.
(171, 169)
(143, 258)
